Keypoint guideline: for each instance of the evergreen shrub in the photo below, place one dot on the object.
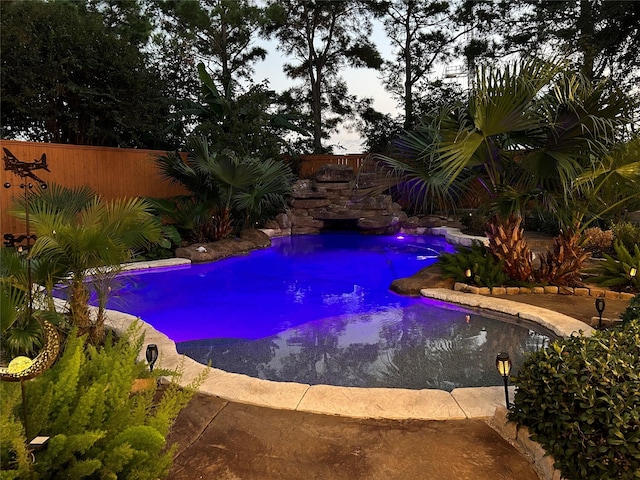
(580, 399)
(632, 312)
(627, 233)
(98, 427)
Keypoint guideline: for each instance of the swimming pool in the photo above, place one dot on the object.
(317, 309)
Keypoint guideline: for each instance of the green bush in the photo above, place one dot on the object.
(580, 399)
(98, 427)
(627, 233)
(632, 312)
(615, 273)
(474, 223)
(486, 270)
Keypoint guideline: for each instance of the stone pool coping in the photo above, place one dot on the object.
(384, 403)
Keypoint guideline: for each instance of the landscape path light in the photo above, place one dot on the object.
(600, 308)
(503, 364)
(152, 355)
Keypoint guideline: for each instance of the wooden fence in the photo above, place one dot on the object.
(310, 164)
(111, 172)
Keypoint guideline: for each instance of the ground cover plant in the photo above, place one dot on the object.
(98, 427)
(580, 399)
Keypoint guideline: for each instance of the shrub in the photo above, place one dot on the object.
(616, 273)
(632, 312)
(486, 270)
(627, 233)
(474, 223)
(580, 399)
(597, 241)
(98, 427)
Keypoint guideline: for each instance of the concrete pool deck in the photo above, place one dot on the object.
(381, 403)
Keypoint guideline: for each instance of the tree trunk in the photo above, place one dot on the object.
(78, 306)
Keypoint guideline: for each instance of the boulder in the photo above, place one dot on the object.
(304, 231)
(306, 221)
(208, 252)
(310, 203)
(283, 220)
(258, 238)
(381, 224)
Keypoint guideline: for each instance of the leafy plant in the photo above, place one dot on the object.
(474, 223)
(98, 427)
(485, 270)
(627, 233)
(632, 312)
(617, 273)
(227, 191)
(580, 399)
(77, 232)
(20, 332)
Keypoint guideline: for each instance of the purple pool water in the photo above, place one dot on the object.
(317, 309)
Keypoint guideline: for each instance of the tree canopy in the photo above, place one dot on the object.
(63, 82)
(321, 38)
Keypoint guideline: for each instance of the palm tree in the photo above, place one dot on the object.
(83, 236)
(531, 136)
(227, 191)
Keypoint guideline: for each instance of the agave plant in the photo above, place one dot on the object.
(622, 272)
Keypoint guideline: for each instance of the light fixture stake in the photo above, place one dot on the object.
(600, 304)
(152, 355)
(503, 365)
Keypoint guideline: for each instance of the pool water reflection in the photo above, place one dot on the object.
(426, 345)
(317, 309)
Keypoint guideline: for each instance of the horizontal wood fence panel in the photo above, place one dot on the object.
(112, 172)
(310, 164)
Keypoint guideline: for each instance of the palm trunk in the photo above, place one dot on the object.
(79, 306)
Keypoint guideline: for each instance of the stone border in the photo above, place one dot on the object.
(518, 436)
(560, 324)
(547, 290)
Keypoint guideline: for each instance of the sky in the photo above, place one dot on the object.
(361, 82)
